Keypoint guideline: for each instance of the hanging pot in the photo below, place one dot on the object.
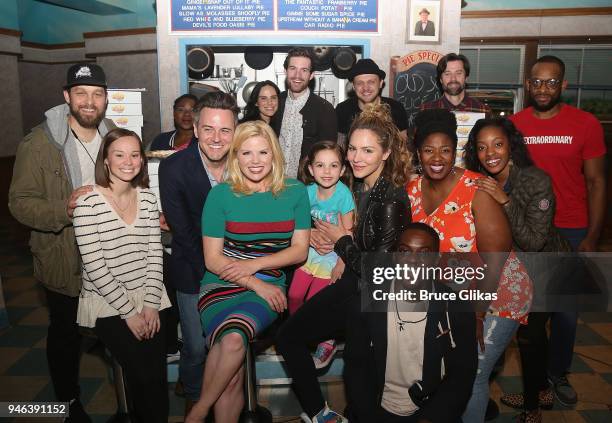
(258, 57)
(247, 90)
(323, 56)
(200, 62)
(343, 61)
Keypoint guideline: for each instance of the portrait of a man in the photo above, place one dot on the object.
(424, 26)
(423, 23)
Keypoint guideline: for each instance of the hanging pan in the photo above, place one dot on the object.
(323, 56)
(200, 62)
(258, 57)
(344, 59)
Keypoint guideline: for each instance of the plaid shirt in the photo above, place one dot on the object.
(468, 104)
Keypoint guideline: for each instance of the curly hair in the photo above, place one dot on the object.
(251, 111)
(518, 150)
(377, 118)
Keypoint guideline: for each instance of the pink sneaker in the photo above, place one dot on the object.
(324, 353)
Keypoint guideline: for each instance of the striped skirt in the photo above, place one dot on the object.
(227, 308)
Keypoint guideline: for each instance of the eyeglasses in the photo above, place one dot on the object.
(550, 83)
(184, 110)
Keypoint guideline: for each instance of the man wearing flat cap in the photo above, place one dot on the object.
(368, 80)
(424, 26)
(54, 166)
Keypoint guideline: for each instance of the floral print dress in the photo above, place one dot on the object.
(453, 220)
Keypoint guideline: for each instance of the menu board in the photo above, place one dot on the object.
(221, 15)
(328, 15)
(293, 15)
(414, 80)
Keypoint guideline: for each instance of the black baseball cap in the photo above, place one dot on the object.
(85, 74)
(366, 66)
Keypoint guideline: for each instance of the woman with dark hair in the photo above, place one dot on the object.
(117, 230)
(468, 220)
(496, 148)
(263, 103)
(380, 161)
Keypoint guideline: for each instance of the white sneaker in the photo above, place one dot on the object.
(324, 416)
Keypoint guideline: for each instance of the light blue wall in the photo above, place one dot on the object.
(530, 4)
(49, 24)
(9, 17)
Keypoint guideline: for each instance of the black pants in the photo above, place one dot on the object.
(144, 365)
(63, 345)
(533, 346)
(322, 317)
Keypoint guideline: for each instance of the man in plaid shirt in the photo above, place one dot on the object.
(453, 71)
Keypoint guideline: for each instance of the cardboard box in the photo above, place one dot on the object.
(121, 109)
(127, 121)
(123, 96)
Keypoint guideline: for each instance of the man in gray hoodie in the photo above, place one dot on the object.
(54, 166)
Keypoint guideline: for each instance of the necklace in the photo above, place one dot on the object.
(401, 322)
(83, 145)
(122, 209)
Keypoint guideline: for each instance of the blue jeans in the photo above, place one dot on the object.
(563, 324)
(498, 332)
(193, 353)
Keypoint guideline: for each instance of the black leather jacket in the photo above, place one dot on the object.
(379, 227)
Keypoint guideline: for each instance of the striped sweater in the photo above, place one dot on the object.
(122, 264)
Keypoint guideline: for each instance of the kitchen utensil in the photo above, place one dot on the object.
(198, 89)
(344, 60)
(241, 82)
(323, 56)
(258, 57)
(200, 62)
(247, 90)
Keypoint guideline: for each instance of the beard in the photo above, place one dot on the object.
(554, 100)
(453, 88)
(87, 121)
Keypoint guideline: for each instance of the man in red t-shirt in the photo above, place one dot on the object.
(568, 144)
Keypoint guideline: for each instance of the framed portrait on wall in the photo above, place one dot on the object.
(423, 21)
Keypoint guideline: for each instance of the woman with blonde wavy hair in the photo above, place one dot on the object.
(253, 225)
(380, 162)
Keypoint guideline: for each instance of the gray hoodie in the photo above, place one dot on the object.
(58, 132)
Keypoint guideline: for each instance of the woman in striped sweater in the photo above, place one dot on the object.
(117, 230)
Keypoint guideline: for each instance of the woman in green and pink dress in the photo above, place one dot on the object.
(253, 225)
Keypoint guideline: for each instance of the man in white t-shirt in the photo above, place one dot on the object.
(410, 361)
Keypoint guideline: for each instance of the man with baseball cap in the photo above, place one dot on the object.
(54, 166)
(368, 80)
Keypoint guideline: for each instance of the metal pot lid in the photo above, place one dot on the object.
(258, 57)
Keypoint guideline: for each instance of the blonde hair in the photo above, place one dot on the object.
(377, 118)
(235, 178)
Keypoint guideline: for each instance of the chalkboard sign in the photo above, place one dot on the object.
(414, 80)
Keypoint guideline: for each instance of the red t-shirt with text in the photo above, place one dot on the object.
(559, 146)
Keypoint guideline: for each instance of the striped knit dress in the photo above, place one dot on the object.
(122, 264)
(252, 226)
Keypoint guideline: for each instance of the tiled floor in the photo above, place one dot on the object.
(24, 375)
